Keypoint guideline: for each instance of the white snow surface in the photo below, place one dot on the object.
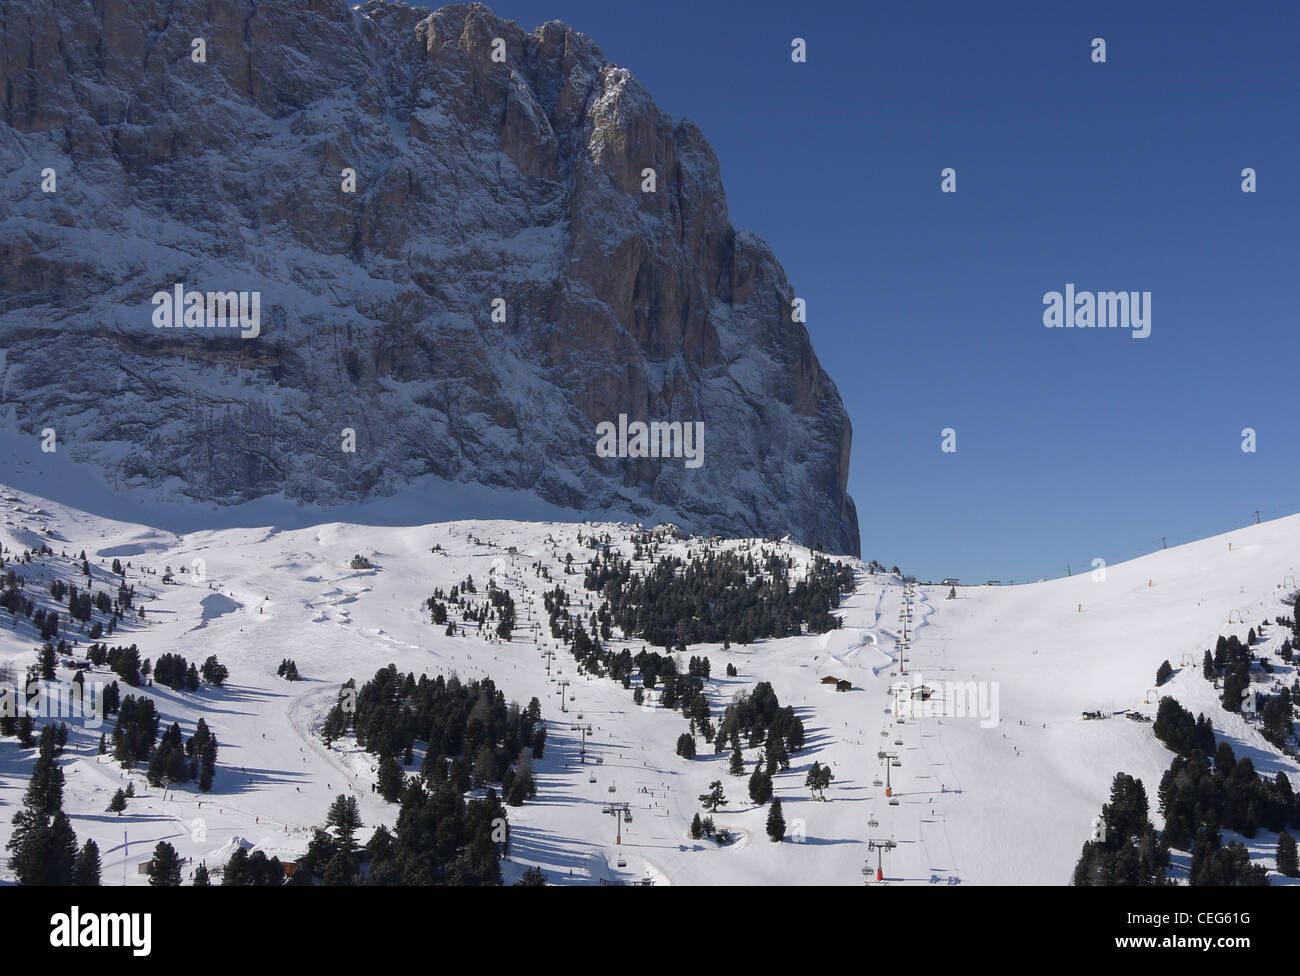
(1010, 804)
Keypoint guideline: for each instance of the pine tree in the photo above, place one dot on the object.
(118, 803)
(345, 818)
(686, 745)
(532, 878)
(85, 872)
(62, 851)
(236, 872)
(201, 879)
(214, 673)
(515, 793)
(737, 765)
(44, 795)
(775, 821)
(714, 798)
(390, 779)
(778, 758)
(25, 725)
(814, 776)
(697, 827)
(819, 780)
(1164, 673)
(28, 846)
(165, 867)
(1287, 862)
(338, 871)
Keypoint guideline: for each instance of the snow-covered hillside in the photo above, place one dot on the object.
(979, 801)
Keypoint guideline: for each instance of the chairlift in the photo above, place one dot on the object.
(877, 782)
(591, 778)
(893, 801)
(627, 816)
(611, 787)
(898, 742)
(873, 822)
(896, 762)
(621, 862)
(573, 698)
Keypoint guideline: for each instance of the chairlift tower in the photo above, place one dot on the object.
(585, 730)
(879, 846)
(891, 760)
(622, 813)
(564, 685)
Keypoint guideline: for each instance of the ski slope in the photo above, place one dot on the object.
(978, 803)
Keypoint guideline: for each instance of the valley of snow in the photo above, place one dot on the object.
(978, 804)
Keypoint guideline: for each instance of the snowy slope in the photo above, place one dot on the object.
(978, 804)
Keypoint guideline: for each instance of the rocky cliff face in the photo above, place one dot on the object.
(476, 180)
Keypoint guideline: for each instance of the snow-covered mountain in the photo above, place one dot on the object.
(1007, 793)
(499, 282)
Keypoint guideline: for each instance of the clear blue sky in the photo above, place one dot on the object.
(926, 308)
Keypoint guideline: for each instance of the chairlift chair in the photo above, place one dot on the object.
(877, 782)
(591, 778)
(896, 762)
(893, 801)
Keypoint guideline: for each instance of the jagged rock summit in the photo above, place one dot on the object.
(475, 180)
